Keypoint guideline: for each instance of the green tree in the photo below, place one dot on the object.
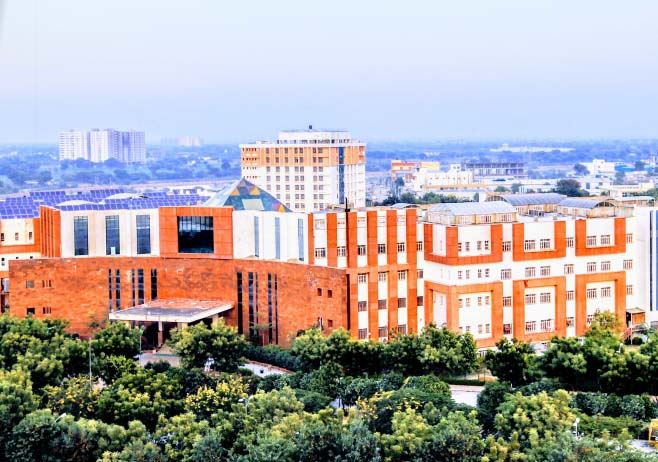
(492, 396)
(501, 189)
(569, 187)
(117, 339)
(580, 169)
(220, 343)
(456, 438)
(310, 348)
(206, 401)
(512, 361)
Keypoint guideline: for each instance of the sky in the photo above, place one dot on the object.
(237, 71)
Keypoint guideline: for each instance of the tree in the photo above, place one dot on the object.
(620, 177)
(501, 189)
(580, 169)
(569, 187)
(456, 438)
(512, 361)
(206, 401)
(117, 339)
(516, 187)
(639, 165)
(492, 396)
(220, 343)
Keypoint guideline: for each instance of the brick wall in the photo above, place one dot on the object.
(77, 289)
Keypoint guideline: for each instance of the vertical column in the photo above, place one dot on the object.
(373, 311)
(332, 240)
(311, 240)
(412, 260)
(353, 303)
(518, 297)
(351, 239)
(393, 297)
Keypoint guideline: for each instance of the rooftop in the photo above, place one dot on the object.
(519, 200)
(172, 310)
(244, 195)
(473, 208)
(583, 203)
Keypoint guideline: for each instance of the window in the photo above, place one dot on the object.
(605, 239)
(545, 270)
(571, 321)
(590, 318)
(362, 278)
(591, 241)
(480, 274)
(605, 292)
(381, 304)
(486, 245)
(568, 268)
(507, 246)
(479, 301)
(629, 238)
(381, 249)
(459, 274)
(112, 235)
(81, 235)
(570, 242)
(195, 235)
(507, 301)
(528, 245)
(362, 306)
(546, 325)
(402, 302)
(319, 292)
(545, 297)
(29, 235)
(530, 299)
(402, 329)
(143, 234)
(479, 245)
(29, 284)
(361, 250)
(486, 272)
(383, 331)
(628, 264)
(419, 274)
(382, 276)
(507, 329)
(330, 293)
(15, 236)
(300, 239)
(154, 284)
(47, 310)
(530, 272)
(544, 244)
(629, 290)
(506, 274)
(531, 326)
(591, 293)
(30, 311)
(2, 237)
(402, 275)
(419, 246)
(605, 266)
(468, 274)
(591, 267)
(467, 246)
(419, 300)
(571, 295)
(342, 251)
(467, 302)
(401, 247)
(459, 246)
(140, 286)
(321, 252)
(363, 334)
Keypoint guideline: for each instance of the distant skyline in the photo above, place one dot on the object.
(385, 70)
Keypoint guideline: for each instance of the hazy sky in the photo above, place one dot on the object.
(238, 70)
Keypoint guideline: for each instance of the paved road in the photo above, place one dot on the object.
(466, 394)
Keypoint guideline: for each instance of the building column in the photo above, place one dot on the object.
(160, 333)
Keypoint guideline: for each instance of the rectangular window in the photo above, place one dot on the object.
(629, 238)
(419, 274)
(143, 234)
(381, 304)
(507, 301)
(402, 329)
(363, 334)
(544, 244)
(401, 247)
(117, 288)
(381, 277)
(277, 238)
(361, 250)
(507, 246)
(342, 251)
(591, 267)
(460, 274)
(529, 245)
(605, 292)
(140, 286)
(300, 238)
(402, 275)
(321, 252)
(530, 299)
(30, 311)
(628, 264)
(605, 266)
(571, 295)
(383, 332)
(530, 272)
(362, 278)
(133, 287)
(362, 306)
(81, 235)
(629, 290)
(154, 284)
(570, 242)
(381, 249)
(568, 268)
(29, 284)
(545, 297)
(591, 293)
(195, 235)
(590, 318)
(112, 235)
(506, 274)
(467, 246)
(571, 321)
(402, 302)
(545, 270)
(507, 329)
(419, 246)
(486, 245)
(47, 310)
(546, 325)
(591, 241)
(531, 326)
(605, 239)
(420, 301)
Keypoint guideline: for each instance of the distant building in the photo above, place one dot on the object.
(498, 169)
(530, 149)
(183, 141)
(310, 169)
(421, 177)
(99, 145)
(73, 144)
(600, 167)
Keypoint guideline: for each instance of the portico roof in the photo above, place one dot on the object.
(172, 310)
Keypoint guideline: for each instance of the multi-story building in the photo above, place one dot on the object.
(99, 145)
(309, 170)
(496, 169)
(73, 144)
(523, 268)
(422, 177)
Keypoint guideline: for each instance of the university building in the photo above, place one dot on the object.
(525, 266)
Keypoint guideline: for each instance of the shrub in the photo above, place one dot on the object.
(274, 355)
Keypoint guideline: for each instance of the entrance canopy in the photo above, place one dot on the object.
(172, 310)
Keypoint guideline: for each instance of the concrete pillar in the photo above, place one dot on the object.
(215, 319)
(160, 333)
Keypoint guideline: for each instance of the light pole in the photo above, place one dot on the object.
(91, 385)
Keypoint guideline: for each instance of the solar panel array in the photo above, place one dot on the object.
(27, 205)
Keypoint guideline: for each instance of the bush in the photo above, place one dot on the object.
(596, 425)
(639, 407)
(313, 401)
(429, 384)
(274, 355)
